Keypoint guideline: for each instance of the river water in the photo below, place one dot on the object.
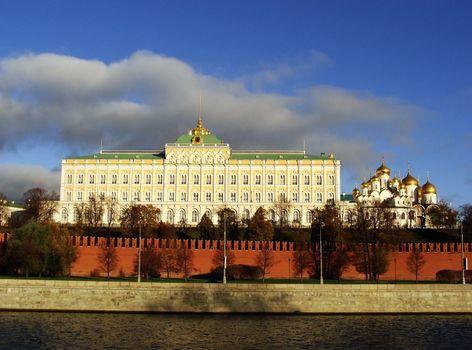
(25, 330)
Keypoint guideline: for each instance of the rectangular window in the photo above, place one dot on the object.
(171, 196)
(258, 179)
(221, 179)
(258, 197)
(81, 179)
(195, 196)
(183, 196)
(319, 179)
(80, 196)
(246, 197)
(331, 180)
(307, 179)
(69, 178)
(245, 179)
(147, 197)
(208, 196)
(68, 196)
(282, 179)
(233, 197)
(136, 179)
(90, 195)
(125, 179)
(196, 179)
(160, 179)
(319, 197)
(148, 179)
(220, 197)
(102, 179)
(233, 179)
(136, 197)
(183, 179)
(270, 197)
(92, 179)
(295, 197)
(159, 196)
(172, 179)
(113, 179)
(208, 178)
(113, 196)
(125, 196)
(294, 180)
(307, 197)
(270, 179)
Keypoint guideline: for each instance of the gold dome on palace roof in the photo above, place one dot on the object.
(428, 188)
(395, 179)
(409, 180)
(356, 192)
(382, 169)
(374, 178)
(365, 184)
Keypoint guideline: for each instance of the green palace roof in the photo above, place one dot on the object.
(118, 155)
(275, 156)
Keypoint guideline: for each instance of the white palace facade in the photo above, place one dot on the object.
(199, 174)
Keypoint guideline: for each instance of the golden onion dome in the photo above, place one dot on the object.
(428, 188)
(374, 178)
(402, 185)
(382, 170)
(356, 192)
(395, 179)
(409, 180)
(365, 184)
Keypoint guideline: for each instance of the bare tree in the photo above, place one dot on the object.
(3, 209)
(184, 262)
(150, 262)
(265, 259)
(301, 261)
(111, 209)
(415, 263)
(108, 257)
(137, 215)
(282, 207)
(79, 209)
(94, 210)
(168, 260)
(219, 257)
(40, 204)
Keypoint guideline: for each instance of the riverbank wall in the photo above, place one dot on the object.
(91, 296)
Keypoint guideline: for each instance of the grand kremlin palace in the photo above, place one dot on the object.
(199, 174)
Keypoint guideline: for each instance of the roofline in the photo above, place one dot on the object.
(268, 151)
(127, 151)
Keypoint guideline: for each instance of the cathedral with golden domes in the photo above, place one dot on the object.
(409, 200)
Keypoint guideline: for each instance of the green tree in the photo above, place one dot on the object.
(206, 228)
(165, 231)
(466, 219)
(441, 215)
(301, 261)
(29, 249)
(259, 228)
(233, 231)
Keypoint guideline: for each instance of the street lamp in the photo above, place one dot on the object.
(224, 247)
(463, 260)
(289, 263)
(321, 255)
(139, 255)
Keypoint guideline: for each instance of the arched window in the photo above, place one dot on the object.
(246, 214)
(170, 216)
(182, 216)
(271, 215)
(296, 216)
(309, 217)
(195, 215)
(64, 215)
(208, 213)
(403, 216)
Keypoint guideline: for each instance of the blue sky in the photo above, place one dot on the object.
(366, 80)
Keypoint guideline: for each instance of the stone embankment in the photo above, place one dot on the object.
(233, 298)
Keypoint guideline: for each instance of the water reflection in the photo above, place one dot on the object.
(160, 331)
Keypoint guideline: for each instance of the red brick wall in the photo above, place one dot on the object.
(438, 256)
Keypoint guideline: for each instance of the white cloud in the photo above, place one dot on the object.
(148, 99)
(16, 179)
